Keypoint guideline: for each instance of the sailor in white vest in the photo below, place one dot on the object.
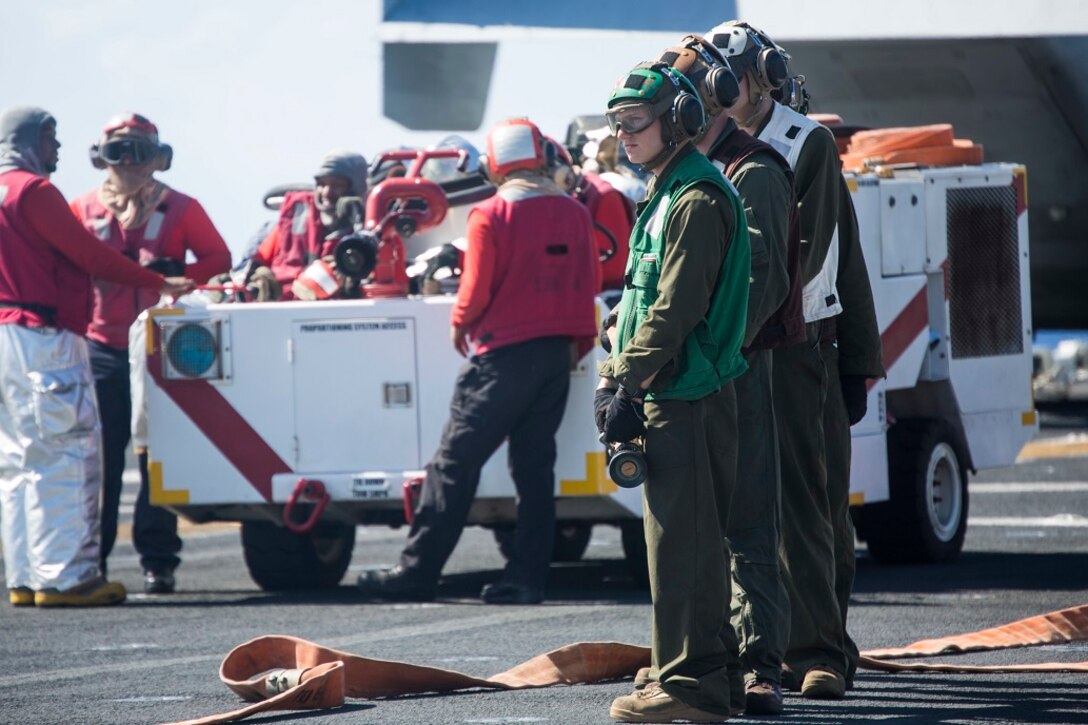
(819, 389)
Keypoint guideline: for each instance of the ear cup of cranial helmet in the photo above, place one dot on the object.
(166, 156)
(564, 178)
(96, 160)
(687, 114)
(722, 86)
(559, 171)
(772, 68)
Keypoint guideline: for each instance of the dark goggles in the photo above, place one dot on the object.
(135, 150)
(631, 119)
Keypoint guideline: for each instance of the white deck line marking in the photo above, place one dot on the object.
(1029, 487)
(417, 630)
(1034, 522)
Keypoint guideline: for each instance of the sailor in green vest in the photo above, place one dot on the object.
(676, 350)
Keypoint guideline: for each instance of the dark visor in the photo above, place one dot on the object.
(135, 150)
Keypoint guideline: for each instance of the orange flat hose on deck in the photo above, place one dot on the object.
(279, 672)
(257, 669)
(1060, 627)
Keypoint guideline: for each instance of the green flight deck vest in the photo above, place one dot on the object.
(711, 354)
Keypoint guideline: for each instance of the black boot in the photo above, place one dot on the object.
(396, 584)
(510, 593)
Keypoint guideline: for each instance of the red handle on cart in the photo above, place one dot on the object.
(421, 157)
(413, 487)
(306, 491)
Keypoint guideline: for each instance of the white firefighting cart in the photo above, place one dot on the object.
(303, 420)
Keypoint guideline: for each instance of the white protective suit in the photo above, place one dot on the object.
(50, 460)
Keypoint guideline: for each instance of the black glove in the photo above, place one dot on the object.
(166, 266)
(602, 333)
(601, 400)
(854, 396)
(624, 419)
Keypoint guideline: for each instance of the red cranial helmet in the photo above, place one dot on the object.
(515, 145)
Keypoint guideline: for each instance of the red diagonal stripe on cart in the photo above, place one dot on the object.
(907, 326)
(905, 329)
(224, 427)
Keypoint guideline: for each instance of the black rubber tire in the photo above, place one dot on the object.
(571, 540)
(279, 559)
(633, 537)
(925, 518)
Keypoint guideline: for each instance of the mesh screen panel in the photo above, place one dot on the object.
(984, 272)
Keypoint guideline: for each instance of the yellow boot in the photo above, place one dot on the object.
(96, 593)
(21, 597)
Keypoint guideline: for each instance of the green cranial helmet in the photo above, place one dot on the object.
(667, 94)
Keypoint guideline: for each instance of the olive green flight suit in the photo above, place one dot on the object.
(814, 434)
(690, 444)
(760, 603)
(857, 350)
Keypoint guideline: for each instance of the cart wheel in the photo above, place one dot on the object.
(279, 559)
(925, 518)
(571, 540)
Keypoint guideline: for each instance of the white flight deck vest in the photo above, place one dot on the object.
(786, 132)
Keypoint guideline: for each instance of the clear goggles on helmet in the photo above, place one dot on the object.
(135, 150)
(630, 119)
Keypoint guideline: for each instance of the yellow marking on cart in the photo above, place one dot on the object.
(151, 315)
(157, 493)
(596, 482)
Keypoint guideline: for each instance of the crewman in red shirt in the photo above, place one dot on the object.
(50, 466)
(150, 223)
(612, 212)
(526, 295)
(312, 222)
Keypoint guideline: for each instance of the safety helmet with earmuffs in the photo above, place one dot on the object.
(133, 137)
(669, 95)
(749, 49)
(708, 70)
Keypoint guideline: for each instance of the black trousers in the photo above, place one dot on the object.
(154, 529)
(518, 393)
